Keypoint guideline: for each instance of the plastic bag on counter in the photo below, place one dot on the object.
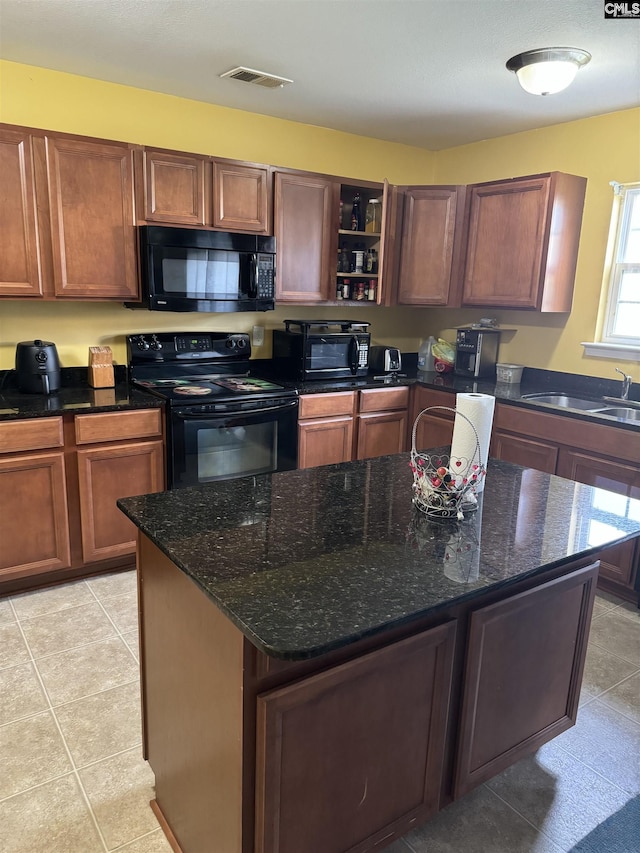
(444, 356)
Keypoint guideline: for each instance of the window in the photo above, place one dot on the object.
(622, 320)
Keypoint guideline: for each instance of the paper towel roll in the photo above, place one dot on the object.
(478, 408)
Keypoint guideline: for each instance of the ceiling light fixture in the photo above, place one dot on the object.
(549, 69)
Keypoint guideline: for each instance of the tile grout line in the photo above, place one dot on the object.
(538, 829)
(608, 690)
(613, 654)
(74, 769)
(593, 770)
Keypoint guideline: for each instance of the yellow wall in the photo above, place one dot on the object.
(602, 149)
(36, 97)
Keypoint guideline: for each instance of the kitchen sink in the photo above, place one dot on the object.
(622, 414)
(565, 401)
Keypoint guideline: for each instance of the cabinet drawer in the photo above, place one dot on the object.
(113, 426)
(384, 399)
(327, 405)
(32, 434)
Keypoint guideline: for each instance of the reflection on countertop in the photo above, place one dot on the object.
(305, 561)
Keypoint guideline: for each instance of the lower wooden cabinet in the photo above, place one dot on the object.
(106, 474)
(352, 755)
(34, 523)
(325, 428)
(588, 452)
(60, 478)
(346, 425)
(542, 632)
(345, 752)
(528, 452)
(382, 422)
(618, 565)
(435, 428)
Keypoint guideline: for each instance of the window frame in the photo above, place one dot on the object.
(625, 194)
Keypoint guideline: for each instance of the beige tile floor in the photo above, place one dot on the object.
(73, 779)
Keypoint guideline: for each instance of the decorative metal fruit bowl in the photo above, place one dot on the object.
(445, 486)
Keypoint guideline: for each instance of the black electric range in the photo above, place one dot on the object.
(221, 421)
(198, 368)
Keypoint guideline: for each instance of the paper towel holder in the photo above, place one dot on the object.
(445, 487)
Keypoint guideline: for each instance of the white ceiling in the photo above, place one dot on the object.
(429, 73)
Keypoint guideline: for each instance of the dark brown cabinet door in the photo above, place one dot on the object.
(505, 243)
(542, 632)
(241, 197)
(435, 428)
(306, 211)
(92, 219)
(34, 526)
(20, 272)
(105, 474)
(430, 256)
(325, 441)
(522, 242)
(174, 188)
(380, 433)
(619, 564)
(354, 755)
(524, 451)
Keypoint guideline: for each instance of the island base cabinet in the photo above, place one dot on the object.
(352, 757)
(542, 632)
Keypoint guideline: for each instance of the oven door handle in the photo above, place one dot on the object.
(186, 416)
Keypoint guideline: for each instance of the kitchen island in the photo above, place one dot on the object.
(323, 667)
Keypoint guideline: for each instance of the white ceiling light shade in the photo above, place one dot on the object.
(549, 69)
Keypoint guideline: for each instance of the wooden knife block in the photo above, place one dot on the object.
(101, 374)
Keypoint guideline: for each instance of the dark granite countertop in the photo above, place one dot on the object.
(536, 381)
(311, 560)
(74, 395)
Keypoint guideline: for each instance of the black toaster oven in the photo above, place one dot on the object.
(321, 349)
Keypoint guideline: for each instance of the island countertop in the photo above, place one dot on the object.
(307, 561)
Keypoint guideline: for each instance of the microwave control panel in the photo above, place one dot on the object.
(265, 278)
(363, 353)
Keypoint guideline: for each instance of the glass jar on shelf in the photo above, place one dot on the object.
(373, 216)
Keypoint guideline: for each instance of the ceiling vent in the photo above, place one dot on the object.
(259, 78)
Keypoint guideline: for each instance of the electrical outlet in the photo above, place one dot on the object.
(257, 336)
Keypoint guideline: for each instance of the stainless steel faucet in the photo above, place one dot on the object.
(626, 383)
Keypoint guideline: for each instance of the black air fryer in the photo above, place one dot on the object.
(37, 367)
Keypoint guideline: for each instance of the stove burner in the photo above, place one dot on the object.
(192, 390)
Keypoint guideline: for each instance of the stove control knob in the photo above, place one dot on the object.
(230, 343)
(155, 343)
(142, 344)
(241, 343)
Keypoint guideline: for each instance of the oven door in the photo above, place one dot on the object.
(205, 447)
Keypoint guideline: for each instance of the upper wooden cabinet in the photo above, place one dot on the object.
(176, 188)
(92, 219)
(431, 245)
(173, 188)
(20, 272)
(306, 208)
(522, 242)
(241, 197)
(317, 250)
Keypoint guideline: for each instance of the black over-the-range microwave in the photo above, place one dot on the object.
(189, 269)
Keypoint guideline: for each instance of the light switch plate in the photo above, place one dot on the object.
(257, 336)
